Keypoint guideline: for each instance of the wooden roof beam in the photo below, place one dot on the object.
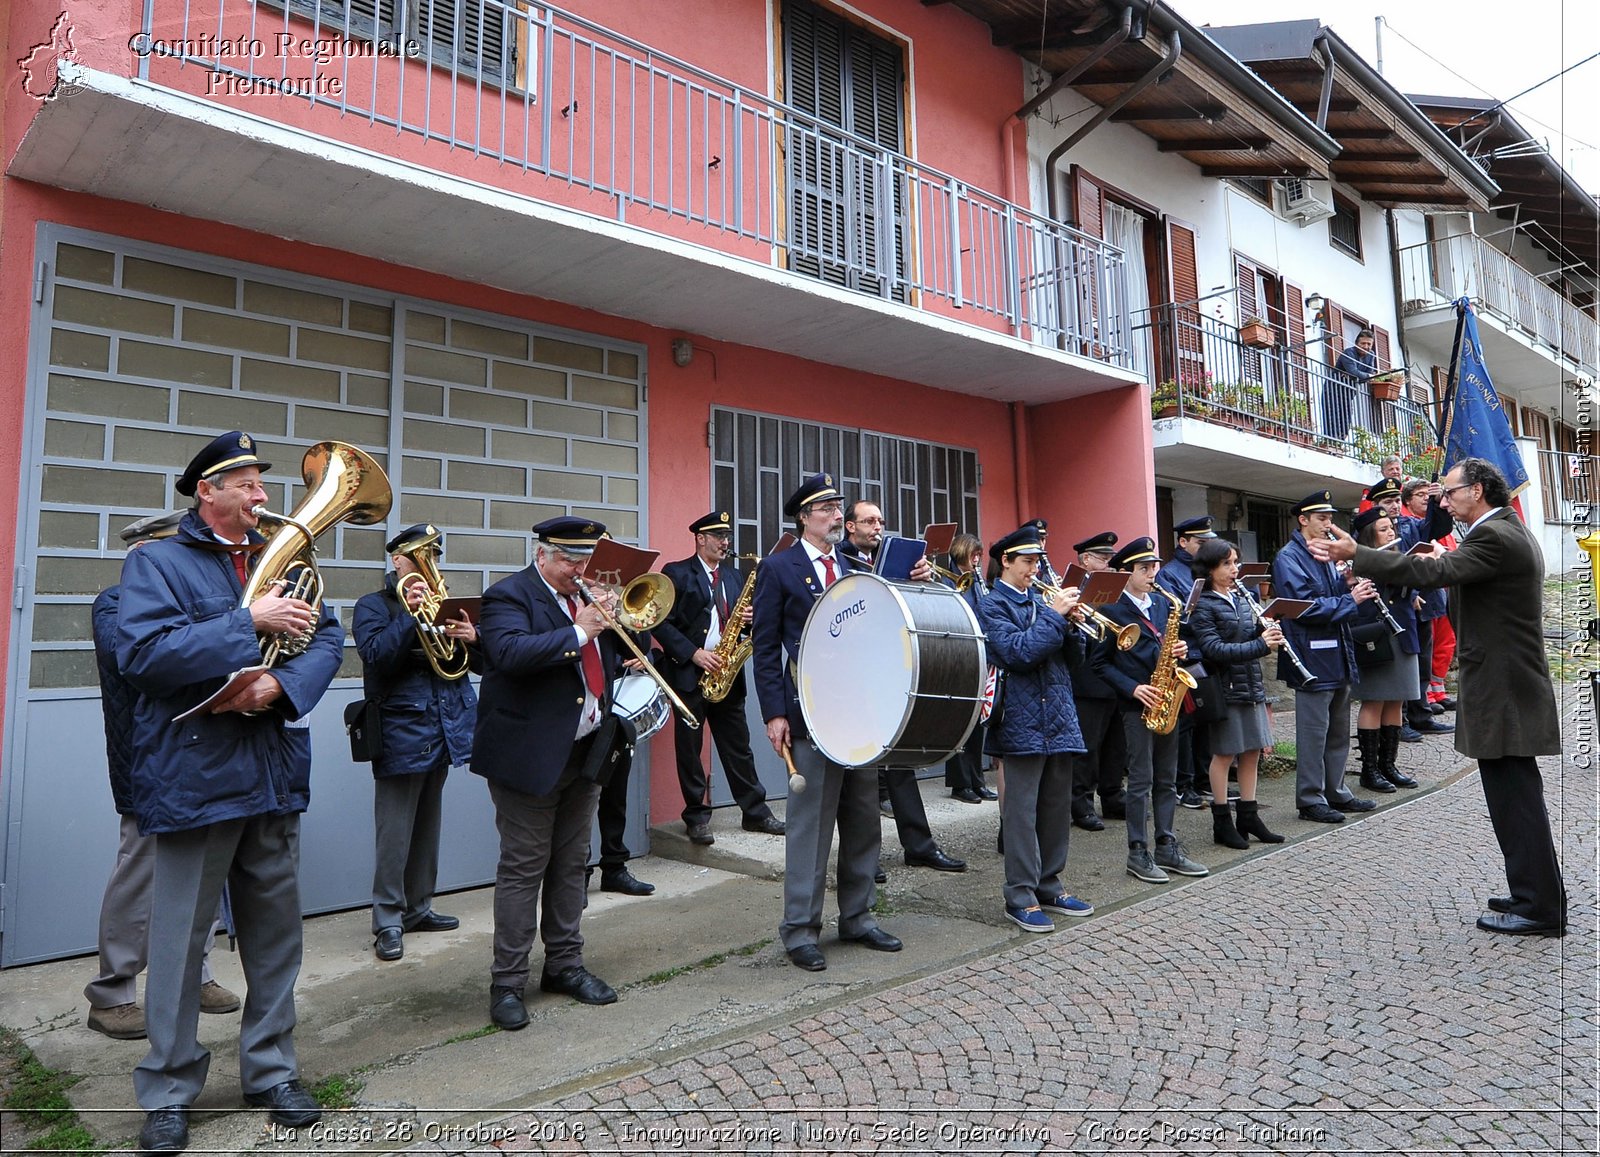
(1215, 145)
(1267, 172)
(1211, 113)
(1351, 157)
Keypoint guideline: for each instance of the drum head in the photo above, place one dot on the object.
(638, 699)
(889, 673)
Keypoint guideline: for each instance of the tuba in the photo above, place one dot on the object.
(343, 484)
(448, 657)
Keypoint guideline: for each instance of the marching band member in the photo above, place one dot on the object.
(1194, 747)
(1035, 727)
(1152, 758)
(787, 586)
(963, 771)
(863, 535)
(221, 792)
(708, 586)
(1385, 686)
(1105, 758)
(1234, 642)
(1415, 513)
(125, 909)
(427, 722)
(1321, 637)
(549, 660)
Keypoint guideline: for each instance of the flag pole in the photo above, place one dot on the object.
(1452, 379)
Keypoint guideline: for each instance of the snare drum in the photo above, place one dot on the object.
(890, 673)
(637, 699)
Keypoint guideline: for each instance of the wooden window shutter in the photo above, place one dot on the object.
(1334, 323)
(1380, 347)
(1513, 415)
(1245, 278)
(1180, 348)
(1087, 203)
(1294, 313)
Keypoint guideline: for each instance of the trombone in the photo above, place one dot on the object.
(963, 581)
(1094, 624)
(641, 605)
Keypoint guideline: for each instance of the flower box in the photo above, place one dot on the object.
(1386, 387)
(1257, 334)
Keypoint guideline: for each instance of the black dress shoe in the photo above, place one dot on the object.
(766, 825)
(165, 1130)
(1355, 804)
(1321, 814)
(1089, 823)
(1510, 924)
(1436, 709)
(290, 1104)
(1435, 726)
(809, 957)
(966, 795)
(701, 834)
(876, 939)
(388, 944)
(506, 1008)
(1499, 903)
(988, 793)
(622, 880)
(580, 984)
(1448, 703)
(432, 921)
(880, 876)
(938, 861)
(1409, 734)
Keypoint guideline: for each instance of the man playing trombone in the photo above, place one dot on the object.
(694, 637)
(427, 710)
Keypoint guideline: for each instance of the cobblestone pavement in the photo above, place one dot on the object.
(1332, 996)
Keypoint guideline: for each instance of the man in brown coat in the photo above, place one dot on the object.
(1508, 707)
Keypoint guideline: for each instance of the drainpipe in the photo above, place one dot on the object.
(1162, 66)
(1022, 458)
(1325, 54)
(1008, 129)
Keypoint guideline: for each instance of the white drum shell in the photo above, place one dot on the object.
(638, 699)
(890, 673)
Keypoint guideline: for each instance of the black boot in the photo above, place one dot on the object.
(1388, 751)
(1222, 830)
(1250, 823)
(1372, 777)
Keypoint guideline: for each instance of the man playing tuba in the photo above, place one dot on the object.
(221, 790)
(427, 711)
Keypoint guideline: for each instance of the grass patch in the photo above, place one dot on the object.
(338, 1091)
(1280, 762)
(38, 1096)
(67, 1138)
(475, 1034)
(711, 961)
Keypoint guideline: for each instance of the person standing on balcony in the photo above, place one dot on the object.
(1321, 637)
(1356, 365)
(1510, 716)
(1105, 759)
(1194, 739)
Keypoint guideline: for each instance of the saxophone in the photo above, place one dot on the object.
(1170, 680)
(733, 648)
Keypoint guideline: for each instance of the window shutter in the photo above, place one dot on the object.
(1335, 325)
(470, 34)
(1245, 279)
(1380, 346)
(1294, 329)
(1180, 345)
(1088, 208)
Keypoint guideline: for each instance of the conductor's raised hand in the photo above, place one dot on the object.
(1340, 548)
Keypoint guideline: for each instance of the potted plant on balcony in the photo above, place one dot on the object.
(1164, 400)
(1255, 332)
(1297, 417)
(1386, 387)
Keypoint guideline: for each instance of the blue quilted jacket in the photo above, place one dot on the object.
(1030, 642)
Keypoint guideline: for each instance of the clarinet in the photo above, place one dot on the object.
(1288, 650)
(1383, 606)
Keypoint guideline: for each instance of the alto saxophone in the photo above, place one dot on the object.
(733, 648)
(1169, 679)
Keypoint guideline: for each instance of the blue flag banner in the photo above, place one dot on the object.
(1475, 423)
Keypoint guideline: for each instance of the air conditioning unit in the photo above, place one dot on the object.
(1307, 201)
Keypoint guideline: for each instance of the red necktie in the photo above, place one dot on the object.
(240, 567)
(722, 600)
(592, 675)
(827, 571)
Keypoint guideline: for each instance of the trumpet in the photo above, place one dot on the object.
(1094, 624)
(1288, 650)
(963, 581)
(642, 604)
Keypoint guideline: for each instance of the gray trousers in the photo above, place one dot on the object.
(260, 859)
(845, 797)
(125, 922)
(1152, 779)
(1322, 747)
(405, 813)
(544, 848)
(1037, 814)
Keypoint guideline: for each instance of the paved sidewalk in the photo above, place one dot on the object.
(1330, 997)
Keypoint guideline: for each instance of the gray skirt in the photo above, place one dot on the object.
(1390, 681)
(1245, 729)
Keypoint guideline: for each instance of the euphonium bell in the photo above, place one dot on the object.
(447, 656)
(343, 484)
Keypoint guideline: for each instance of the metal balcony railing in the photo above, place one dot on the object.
(1571, 485)
(565, 100)
(1204, 370)
(1446, 268)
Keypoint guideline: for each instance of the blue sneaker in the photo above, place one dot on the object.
(1065, 905)
(1029, 919)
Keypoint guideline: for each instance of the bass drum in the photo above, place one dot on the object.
(890, 673)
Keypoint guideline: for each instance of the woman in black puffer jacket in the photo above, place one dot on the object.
(1233, 644)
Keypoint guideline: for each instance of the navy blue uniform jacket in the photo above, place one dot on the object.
(683, 632)
(427, 721)
(1126, 670)
(180, 634)
(1030, 642)
(117, 697)
(532, 691)
(787, 587)
(1321, 636)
